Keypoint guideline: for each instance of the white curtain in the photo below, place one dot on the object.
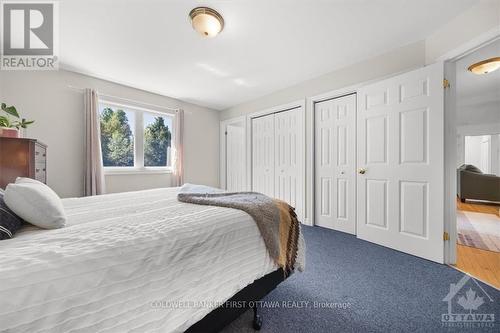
(178, 150)
(94, 171)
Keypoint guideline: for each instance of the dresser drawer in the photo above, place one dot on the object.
(41, 172)
(22, 157)
(40, 154)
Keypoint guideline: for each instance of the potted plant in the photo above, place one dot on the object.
(8, 127)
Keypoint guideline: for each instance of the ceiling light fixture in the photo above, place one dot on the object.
(485, 66)
(206, 21)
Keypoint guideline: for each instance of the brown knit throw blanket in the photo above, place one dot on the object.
(276, 220)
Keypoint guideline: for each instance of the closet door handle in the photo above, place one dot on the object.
(362, 171)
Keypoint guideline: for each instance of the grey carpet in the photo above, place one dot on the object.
(384, 290)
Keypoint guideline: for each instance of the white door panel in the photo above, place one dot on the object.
(288, 158)
(335, 163)
(235, 158)
(400, 145)
(278, 157)
(263, 155)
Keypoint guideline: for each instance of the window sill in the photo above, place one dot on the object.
(136, 171)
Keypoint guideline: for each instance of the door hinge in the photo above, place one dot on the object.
(225, 133)
(446, 236)
(446, 83)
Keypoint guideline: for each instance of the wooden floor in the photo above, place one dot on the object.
(479, 207)
(485, 265)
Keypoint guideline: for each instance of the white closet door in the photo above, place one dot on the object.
(400, 157)
(235, 158)
(263, 155)
(335, 165)
(288, 152)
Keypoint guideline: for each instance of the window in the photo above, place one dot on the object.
(135, 139)
(117, 137)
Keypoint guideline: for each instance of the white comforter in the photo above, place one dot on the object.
(137, 261)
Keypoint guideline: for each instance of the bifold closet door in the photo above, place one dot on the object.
(235, 158)
(335, 166)
(263, 155)
(288, 158)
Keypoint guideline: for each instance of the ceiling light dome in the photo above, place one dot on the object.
(485, 66)
(206, 21)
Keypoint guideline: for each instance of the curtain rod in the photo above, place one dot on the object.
(129, 100)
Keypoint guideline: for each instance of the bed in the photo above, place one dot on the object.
(136, 261)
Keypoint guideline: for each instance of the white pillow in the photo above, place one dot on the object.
(20, 180)
(35, 203)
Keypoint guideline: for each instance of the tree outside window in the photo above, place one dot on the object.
(157, 140)
(117, 139)
(118, 132)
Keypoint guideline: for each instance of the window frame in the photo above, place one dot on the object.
(138, 132)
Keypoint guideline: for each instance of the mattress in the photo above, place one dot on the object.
(136, 261)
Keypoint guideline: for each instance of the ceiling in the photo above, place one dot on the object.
(478, 96)
(265, 46)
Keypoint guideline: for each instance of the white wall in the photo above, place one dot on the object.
(479, 20)
(483, 152)
(398, 60)
(473, 152)
(495, 154)
(478, 96)
(477, 131)
(58, 111)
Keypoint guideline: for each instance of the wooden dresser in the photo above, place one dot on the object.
(22, 158)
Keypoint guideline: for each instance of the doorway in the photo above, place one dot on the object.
(477, 122)
(233, 172)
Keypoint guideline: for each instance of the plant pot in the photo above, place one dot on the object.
(6, 132)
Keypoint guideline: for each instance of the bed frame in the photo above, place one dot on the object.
(232, 309)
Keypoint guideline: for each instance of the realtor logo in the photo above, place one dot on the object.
(469, 305)
(29, 33)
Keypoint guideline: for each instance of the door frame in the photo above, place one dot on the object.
(301, 104)
(450, 137)
(222, 148)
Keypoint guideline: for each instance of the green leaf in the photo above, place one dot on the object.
(24, 123)
(3, 106)
(4, 121)
(12, 111)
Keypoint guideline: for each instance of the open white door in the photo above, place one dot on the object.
(400, 181)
